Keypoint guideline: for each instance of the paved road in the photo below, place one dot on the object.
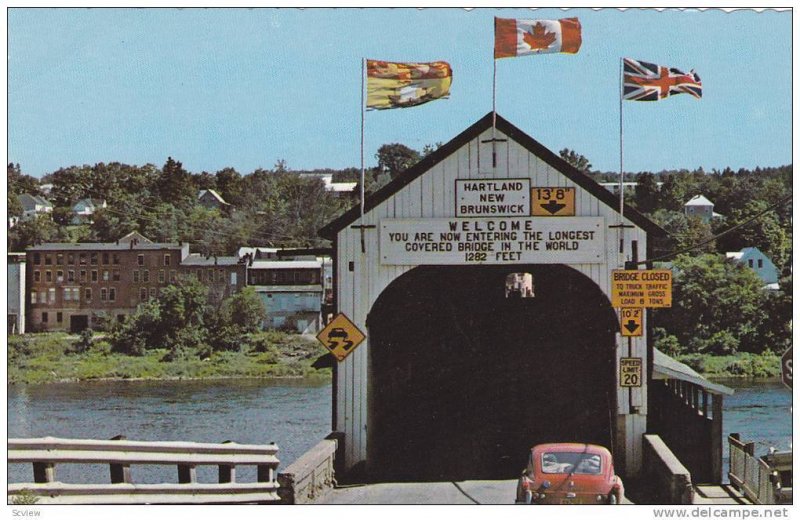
(469, 492)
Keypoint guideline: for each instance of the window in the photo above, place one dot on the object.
(143, 293)
(70, 258)
(37, 258)
(33, 297)
(760, 263)
(82, 259)
(166, 260)
(94, 275)
(105, 258)
(136, 276)
(140, 259)
(51, 295)
(67, 294)
(87, 294)
(146, 275)
(199, 275)
(93, 258)
(45, 317)
(105, 275)
(76, 294)
(116, 258)
(152, 292)
(83, 275)
(59, 259)
(70, 276)
(750, 263)
(48, 260)
(48, 276)
(112, 294)
(115, 275)
(161, 276)
(59, 276)
(173, 276)
(103, 294)
(233, 278)
(37, 276)
(42, 297)
(59, 317)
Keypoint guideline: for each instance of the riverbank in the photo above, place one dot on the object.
(53, 357)
(741, 365)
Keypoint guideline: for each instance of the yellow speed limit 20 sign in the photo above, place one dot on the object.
(340, 337)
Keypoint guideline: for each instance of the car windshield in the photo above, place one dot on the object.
(570, 462)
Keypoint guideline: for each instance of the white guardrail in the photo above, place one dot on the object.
(45, 453)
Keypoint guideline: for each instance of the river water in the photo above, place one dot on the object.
(295, 414)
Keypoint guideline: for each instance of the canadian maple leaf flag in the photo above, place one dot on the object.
(514, 37)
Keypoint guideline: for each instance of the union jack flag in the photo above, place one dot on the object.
(644, 81)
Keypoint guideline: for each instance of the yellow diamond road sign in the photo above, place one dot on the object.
(553, 202)
(341, 336)
(630, 322)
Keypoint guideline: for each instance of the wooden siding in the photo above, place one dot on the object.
(433, 195)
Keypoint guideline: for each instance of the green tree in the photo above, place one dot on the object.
(32, 231)
(646, 194)
(175, 184)
(765, 233)
(244, 310)
(575, 159)
(718, 306)
(395, 158)
(685, 231)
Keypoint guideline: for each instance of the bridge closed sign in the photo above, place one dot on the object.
(648, 289)
(340, 337)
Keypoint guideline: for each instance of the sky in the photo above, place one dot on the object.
(243, 88)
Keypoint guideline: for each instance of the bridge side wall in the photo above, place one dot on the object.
(433, 195)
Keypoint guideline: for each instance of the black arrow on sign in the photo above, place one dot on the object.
(553, 207)
(631, 326)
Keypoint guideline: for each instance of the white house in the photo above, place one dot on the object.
(699, 206)
(33, 205)
(291, 291)
(83, 210)
(760, 263)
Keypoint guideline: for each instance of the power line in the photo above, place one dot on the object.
(705, 242)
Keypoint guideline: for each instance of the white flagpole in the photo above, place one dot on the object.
(363, 108)
(621, 174)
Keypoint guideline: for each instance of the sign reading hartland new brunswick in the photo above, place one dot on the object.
(455, 241)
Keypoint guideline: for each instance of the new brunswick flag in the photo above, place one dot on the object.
(523, 37)
(400, 85)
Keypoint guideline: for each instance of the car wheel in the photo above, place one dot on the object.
(613, 499)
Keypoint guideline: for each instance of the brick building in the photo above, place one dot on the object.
(75, 286)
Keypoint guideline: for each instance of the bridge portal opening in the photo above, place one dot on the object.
(464, 380)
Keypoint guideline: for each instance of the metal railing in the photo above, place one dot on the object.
(759, 479)
(119, 454)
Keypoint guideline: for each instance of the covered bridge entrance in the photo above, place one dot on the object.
(485, 303)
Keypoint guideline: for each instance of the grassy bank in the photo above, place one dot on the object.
(45, 358)
(744, 364)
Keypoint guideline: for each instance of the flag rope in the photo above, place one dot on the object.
(621, 170)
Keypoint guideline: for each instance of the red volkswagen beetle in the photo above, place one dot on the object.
(569, 473)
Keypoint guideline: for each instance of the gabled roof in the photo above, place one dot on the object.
(514, 133)
(214, 194)
(699, 200)
(29, 202)
(90, 203)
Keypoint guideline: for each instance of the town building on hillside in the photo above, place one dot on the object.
(291, 291)
(210, 199)
(15, 287)
(223, 275)
(33, 205)
(699, 206)
(760, 263)
(86, 285)
(84, 209)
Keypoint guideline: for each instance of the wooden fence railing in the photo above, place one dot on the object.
(46, 453)
(759, 478)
